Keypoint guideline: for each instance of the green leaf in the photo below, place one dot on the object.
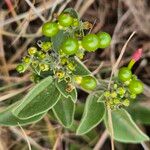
(64, 111)
(58, 39)
(91, 136)
(8, 119)
(92, 116)
(39, 100)
(61, 86)
(125, 130)
(80, 69)
(72, 12)
(140, 113)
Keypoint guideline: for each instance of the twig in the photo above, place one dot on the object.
(25, 137)
(19, 134)
(35, 10)
(24, 15)
(120, 57)
(101, 140)
(98, 68)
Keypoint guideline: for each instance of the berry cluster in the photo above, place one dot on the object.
(45, 60)
(124, 90)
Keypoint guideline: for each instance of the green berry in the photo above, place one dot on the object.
(126, 102)
(124, 74)
(75, 22)
(90, 42)
(70, 46)
(71, 66)
(41, 55)
(20, 68)
(26, 59)
(107, 94)
(32, 51)
(121, 91)
(65, 20)
(116, 101)
(50, 29)
(64, 60)
(113, 94)
(88, 83)
(104, 39)
(136, 87)
(44, 67)
(60, 74)
(133, 96)
(46, 46)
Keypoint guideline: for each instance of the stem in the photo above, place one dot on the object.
(101, 141)
(111, 127)
(131, 63)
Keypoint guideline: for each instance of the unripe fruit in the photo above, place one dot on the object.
(124, 74)
(104, 39)
(65, 20)
(50, 29)
(32, 50)
(20, 68)
(88, 83)
(90, 42)
(70, 46)
(136, 87)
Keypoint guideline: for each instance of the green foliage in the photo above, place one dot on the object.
(39, 100)
(61, 86)
(58, 39)
(8, 119)
(92, 116)
(72, 12)
(64, 111)
(125, 130)
(81, 69)
(140, 113)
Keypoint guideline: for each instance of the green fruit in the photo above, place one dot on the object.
(90, 42)
(136, 87)
(104, 39)
(32, 50)
(124, 74)
(20, 68)
(50, 29)
(65, 20)
(88, 83)
(70, 46)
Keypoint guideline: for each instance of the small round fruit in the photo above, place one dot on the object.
(20, 68)
(88, 83)
(104, 39)
(136, 87)
(65, 20)
(50, 29)
(90, 42)
(70, 46)
(124, 74)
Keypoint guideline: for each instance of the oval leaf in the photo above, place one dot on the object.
(72, 12)
(92, 115)
(58, 39)
(64, 111)
(140, 113)
(125, 130)
(80, 69)
(61, 86)
(40, 99)
(8, 119)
